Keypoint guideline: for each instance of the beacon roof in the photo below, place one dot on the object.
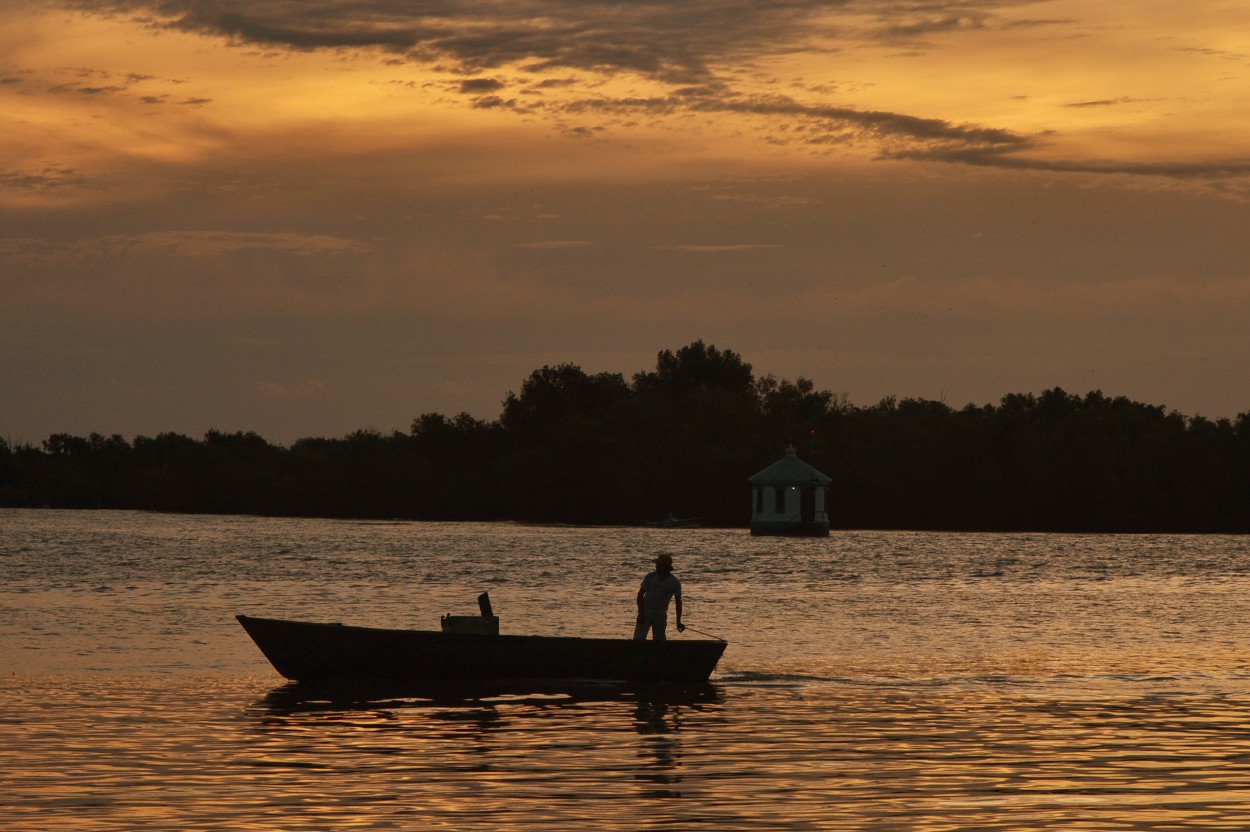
(789, 469)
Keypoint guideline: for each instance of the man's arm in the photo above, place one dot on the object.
(680, 627)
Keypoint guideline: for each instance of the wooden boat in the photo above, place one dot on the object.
(672, 522)
(308, 652)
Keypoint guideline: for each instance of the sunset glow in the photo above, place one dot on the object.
(390, 210)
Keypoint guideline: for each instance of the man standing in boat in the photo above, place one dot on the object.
(653, 597)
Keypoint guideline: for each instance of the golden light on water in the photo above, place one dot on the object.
(873, 680)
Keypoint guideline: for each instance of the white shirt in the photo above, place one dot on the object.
(657, 593)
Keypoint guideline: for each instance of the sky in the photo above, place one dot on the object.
(310, 217)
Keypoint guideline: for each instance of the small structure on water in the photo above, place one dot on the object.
(672, 522)
(790, 497)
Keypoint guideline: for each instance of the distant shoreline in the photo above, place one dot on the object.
(588, 450)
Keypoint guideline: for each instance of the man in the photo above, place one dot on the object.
(653, 597)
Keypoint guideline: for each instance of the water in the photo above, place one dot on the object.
(874, 681)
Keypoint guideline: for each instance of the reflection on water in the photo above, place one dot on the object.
(345, 697)
(477, 719)
(659, 724)
(198, 754)
(874, 681)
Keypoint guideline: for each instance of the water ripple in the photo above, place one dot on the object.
(874, 681)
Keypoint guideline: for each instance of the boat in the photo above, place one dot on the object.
(464, 652)
(672, 522)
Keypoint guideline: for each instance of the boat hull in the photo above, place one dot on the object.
(309, 652)
(677, 523)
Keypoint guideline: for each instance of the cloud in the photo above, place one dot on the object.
(732, 248)
(1106, 102)
(664, 40)
(211, 243)
(911, 24)
(493, 102)
(707, 52)
(191, 244)
(1208, 169)
(555, 245)
(477, 86)
(47, 178)
(88, 82)
(668, 41)
(100, 90)
(882, 124)
(80, 89)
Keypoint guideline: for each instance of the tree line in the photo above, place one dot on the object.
(573, 447)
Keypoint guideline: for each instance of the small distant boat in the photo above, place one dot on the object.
(672, 522)
(466, 651)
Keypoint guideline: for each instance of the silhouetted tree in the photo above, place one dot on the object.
(454, 467)
(580, 448)
(696, 422)
(565, 444)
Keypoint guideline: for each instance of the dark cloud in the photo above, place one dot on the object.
(1105, 102)
(42, 179)
(878, 123)
(670, 42)
(998, 157)
(492, 102)
(102, 82)
(86, 72)
(555, 245)
(478, 86)
(887, 123)
(913, 26)
(677, 42)
(1215, 53)
(555, 83)
(914, 29)
(698, 47)
(908, 137)
(100, 90)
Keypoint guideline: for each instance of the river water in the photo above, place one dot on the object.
(873, 680)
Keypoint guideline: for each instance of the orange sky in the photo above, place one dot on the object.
(308, 218)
